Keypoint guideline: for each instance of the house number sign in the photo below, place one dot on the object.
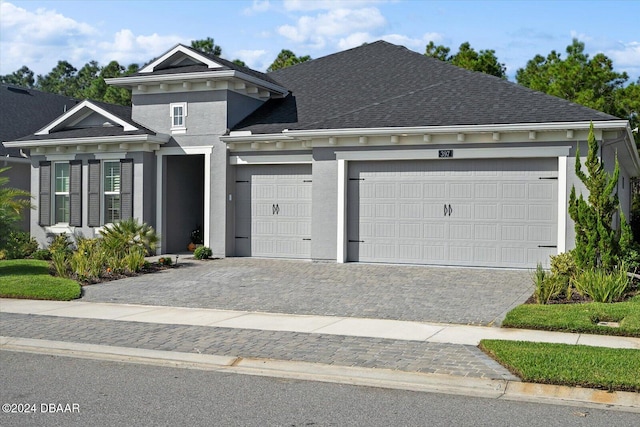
(445, 154)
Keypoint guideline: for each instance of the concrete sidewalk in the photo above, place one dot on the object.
(398, 354)
(328, 325)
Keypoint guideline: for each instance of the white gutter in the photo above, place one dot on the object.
(156, 78)
(157, 139)
(419, 130)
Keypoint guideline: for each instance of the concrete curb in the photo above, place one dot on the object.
(372, 377)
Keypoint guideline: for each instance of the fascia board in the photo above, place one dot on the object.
(205, 75)
(263, 137)
(149, 68)
(159, 139)
(79, 107)
(515, 127)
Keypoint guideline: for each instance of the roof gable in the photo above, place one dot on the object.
(180, 56)
(87, 114)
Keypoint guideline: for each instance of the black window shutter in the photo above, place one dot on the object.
(126, 188)
(44, 208)
(94, 193)
(75, 193)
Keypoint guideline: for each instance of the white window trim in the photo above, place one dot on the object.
(178, 128)
(104, 193)
(59, 193)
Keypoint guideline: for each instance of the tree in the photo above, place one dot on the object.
(207, 46)
(23, 77)
(239, 62)
(597, 243)
(286, 58)
(12, 202)
(589, 82)
(439, 52)
(628, 104)
(61, 80)
(484, 61)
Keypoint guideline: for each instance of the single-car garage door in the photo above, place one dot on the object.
(273, 211)
(480, 212)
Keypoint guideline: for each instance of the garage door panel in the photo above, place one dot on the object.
(516, 233)
(483, 212)
(488, 232)
(273, 207)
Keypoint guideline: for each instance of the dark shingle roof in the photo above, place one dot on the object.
(226, 65)
(25, 111)
(385, 85)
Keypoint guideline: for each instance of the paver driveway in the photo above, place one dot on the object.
(429, 294)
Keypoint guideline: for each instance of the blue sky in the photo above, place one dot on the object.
(39, 33)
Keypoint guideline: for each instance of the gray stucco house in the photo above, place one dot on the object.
(374, 154)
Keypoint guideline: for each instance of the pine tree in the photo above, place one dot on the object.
(597, 243)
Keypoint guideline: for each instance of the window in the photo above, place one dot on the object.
(61, 191)
(178, 112)
(111, 173)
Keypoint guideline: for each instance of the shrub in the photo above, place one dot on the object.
(202, 252)
(120, 237)
(165, 261)
(20, 244)
(547, 285)
(134, 260)
(602, 286)
(564, 269)
(87, 262)
(42, 254)
(61, 243)
(60, 263)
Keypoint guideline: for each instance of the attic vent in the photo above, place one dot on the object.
(107, 125)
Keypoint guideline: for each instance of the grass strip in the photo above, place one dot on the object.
(581, 318)
(30, 279)
(572, 365)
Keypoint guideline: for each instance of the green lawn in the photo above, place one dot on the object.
(581, 318)
(572, 365)
(30, 279)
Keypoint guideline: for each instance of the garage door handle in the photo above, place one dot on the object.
(447, 210)
(275, 209)
(450, 210)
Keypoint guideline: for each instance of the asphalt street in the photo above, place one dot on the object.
(110, 393)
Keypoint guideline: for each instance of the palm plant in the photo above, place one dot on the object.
(119, 238)
(12, 202)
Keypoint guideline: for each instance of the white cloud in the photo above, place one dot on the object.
(308, 5)
(317, 30)
(417, 44)
(39, 39)
(355, 39)
(127, 47)
(628, 55)
(253, 58)
(581, 36)
(258, 6)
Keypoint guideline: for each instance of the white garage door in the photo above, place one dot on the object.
(481, 212)
(273, 211)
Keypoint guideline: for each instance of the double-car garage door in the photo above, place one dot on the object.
(480, 212)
